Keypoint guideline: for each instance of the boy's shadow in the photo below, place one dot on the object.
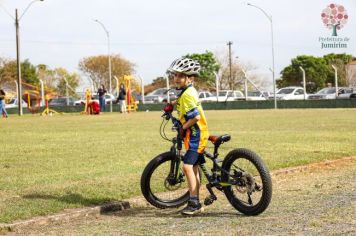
(150, 212)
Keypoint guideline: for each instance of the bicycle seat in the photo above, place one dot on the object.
(218, 140)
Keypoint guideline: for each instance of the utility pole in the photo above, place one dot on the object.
(19, 81)
(230, 62)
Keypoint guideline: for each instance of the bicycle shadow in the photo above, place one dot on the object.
(133, 212)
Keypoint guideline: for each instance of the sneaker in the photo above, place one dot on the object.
(192, 208)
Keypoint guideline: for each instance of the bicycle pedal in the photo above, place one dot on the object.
(209, 200)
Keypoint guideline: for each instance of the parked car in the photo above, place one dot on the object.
(290, 93)
(108, 97)
(137, 96)
(79, 102)
(257, 96)
(14, 103)
(206, 96)
(229, 95)
(160, 95)
(61, 101)
(330, 93)
(345, 93)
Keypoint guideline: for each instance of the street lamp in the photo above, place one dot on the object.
(109, 58)
(17, 25)
(273, 70)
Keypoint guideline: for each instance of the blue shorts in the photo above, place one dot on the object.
(193, 158)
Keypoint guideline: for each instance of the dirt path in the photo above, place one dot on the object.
(320, 200)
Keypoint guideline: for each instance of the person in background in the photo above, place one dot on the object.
(2, 103)
(101, 93)
(121, 99)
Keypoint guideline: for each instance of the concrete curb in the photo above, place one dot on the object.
(67, 215)
(134, 202)
(310, 166)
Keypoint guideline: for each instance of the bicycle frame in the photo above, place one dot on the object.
(213, 177)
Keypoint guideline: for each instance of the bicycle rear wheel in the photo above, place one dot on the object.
(160, 187)
(250, 191)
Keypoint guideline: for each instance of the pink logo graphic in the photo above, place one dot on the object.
(334, 17)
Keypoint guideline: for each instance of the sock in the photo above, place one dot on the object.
(194, 198)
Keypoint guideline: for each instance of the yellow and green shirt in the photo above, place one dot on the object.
(188, 107)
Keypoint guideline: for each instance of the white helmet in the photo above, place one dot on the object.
(186, 66)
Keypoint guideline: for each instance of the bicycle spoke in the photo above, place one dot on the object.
(162, 186)
(248, 191)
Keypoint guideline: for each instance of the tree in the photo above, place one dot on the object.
(8, 72)
(159, 82)
(96, 68)
(237, 78)
(54, 80)
(340, 61)
(60, 74)
(318, 71)
(209, 65)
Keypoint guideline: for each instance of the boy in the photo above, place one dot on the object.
(195, 130)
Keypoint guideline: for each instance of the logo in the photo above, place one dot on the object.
(334, 17)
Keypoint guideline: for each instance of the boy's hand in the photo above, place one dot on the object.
(182, 132)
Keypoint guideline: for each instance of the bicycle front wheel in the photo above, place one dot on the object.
(159, 185)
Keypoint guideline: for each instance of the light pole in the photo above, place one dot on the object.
(230, 63)
(17, 26)
(217, 86)
(273, 70)
(109, 58)
(304, 85)
(167, 81)
(117, 85)
(336, 82)
(42, 93)
(142, 89)
(67, 93)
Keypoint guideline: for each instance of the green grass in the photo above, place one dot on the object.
(51, 163)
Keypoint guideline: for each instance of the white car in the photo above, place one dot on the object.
(330, 93)
(14, 103)
(206, 96)
(229, 95)
(291, 93)
(257, 96)
(108, 98)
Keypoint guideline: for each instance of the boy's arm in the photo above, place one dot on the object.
(191, 122)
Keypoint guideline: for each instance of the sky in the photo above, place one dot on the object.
(151, 34)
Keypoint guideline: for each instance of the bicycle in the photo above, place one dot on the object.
(242, 175)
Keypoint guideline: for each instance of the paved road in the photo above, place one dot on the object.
(321, 200)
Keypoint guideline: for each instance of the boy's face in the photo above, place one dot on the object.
(181, 80)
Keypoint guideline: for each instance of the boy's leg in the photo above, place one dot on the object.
(192, 179)
(197, 177)
(190, 169)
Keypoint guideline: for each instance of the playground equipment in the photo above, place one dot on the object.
(91, 107)
(47, 110)
(33, 100)
(87, 100)
(131, 104)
